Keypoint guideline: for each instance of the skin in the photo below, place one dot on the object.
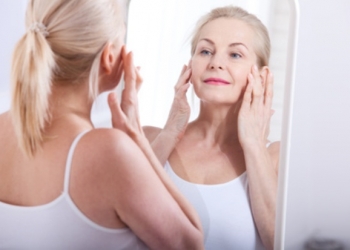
(116, 180)
(230, 134)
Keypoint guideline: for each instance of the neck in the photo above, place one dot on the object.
(217, 124)
(70, 103)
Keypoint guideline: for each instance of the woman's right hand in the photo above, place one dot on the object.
(180, 109)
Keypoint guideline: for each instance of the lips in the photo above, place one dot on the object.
(216, 81)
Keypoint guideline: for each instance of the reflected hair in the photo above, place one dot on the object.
(63, 45)
(262, 45)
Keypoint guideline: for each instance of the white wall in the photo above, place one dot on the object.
(11, 29)
(318, 184)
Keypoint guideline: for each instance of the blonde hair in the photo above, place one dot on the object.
(262, 46)
(63, 44)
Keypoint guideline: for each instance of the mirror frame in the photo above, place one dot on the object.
(281, 204)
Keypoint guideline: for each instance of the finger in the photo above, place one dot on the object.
(177, 85)
(181, 93)
(139, 79)
(269, 91)
(118, 117)
(184, 78)
(130, 73)
(247, 97)
(257, 88)
(183, 69)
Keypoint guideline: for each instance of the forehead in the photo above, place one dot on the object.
(228, 30)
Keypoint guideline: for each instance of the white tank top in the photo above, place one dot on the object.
(224, 211)
(59, 225)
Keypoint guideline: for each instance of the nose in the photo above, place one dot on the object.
(216, 62)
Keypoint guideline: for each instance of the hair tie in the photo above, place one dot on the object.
(39, 27)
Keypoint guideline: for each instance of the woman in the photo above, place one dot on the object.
(222, 161)
(64, 184)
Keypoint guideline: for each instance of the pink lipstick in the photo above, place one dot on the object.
(216, 81)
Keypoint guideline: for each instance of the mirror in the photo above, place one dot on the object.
(159, 34)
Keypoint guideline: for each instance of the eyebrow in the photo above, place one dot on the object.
(231, 45)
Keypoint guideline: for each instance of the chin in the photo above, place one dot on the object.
(220, 97)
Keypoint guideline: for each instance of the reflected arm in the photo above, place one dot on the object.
(162, 142)
(261, 164)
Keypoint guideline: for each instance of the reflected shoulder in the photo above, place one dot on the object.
(274, 151)
(151, 132)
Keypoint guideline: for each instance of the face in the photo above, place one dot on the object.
(223, 58)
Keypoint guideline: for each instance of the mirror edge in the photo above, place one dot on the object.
(281, 204)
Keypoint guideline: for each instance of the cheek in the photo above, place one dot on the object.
(241, 74)
(196, 69)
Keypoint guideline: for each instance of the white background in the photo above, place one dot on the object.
(318, 184)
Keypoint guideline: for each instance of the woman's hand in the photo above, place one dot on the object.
(180, 109)
(125, 115)
(255, 113)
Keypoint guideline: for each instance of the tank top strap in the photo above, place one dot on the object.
(69, 160)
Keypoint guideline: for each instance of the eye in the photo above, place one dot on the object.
(235, 55)
(205, 52)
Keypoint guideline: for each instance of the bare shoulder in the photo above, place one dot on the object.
(6, 127)
(151, 132)
(5, 119)
(274, 151)
(274, 148)
(104, 157)
(8, 140)
(106, 145)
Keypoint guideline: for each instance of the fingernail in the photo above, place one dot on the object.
(255, 68)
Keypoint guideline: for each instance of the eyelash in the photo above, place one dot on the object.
(233, 55)
(205, 52)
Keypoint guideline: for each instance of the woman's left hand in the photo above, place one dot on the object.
(125, 115)
(180, 110)
(255, 112)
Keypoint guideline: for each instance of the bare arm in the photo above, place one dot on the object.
(261, 162)
(262, 178)
(163, 141)
(142, 199)
(125, 117)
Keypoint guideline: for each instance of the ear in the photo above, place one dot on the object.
(108, 58)
(264, 72)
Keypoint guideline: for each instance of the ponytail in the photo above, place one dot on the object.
(32, 69)
(63, 45)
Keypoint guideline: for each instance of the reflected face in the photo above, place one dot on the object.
(223, 58)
